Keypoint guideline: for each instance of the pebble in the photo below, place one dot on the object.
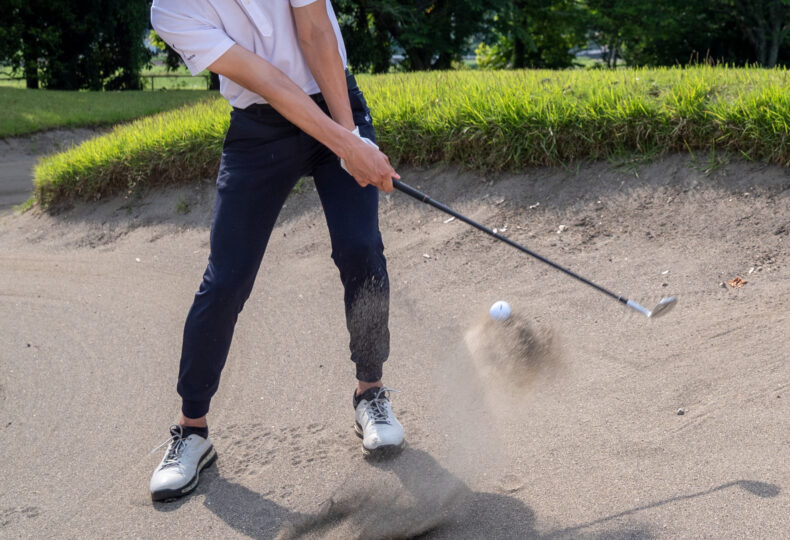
(681, 412)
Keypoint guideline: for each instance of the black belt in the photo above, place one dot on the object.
(351, 82)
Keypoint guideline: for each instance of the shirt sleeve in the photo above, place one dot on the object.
(301, 3)
(195, 35)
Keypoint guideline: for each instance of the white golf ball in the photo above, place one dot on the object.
(500, 310)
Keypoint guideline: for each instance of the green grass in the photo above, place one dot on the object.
(478, 119)
(28, 111)
(131, 156)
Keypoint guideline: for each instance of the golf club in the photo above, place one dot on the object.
(662, 308)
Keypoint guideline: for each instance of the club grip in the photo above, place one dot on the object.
(410, 191)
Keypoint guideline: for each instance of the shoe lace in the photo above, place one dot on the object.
(377, 407)
(176, 447)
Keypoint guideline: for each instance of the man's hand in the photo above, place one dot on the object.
(369, 166)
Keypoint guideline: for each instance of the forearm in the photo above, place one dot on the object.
(327, 68)
(256, 74)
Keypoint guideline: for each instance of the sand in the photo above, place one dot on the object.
(93, 300)
(18, 155)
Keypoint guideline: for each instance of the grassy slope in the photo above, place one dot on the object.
(27, 111)
(492, 120)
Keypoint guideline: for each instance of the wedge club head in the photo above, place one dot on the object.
(663, 307)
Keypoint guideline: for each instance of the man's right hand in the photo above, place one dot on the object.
(367, 164)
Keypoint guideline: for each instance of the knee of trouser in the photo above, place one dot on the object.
(228, 289)
(364, 258)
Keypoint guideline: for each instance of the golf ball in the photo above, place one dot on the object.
(500, 310)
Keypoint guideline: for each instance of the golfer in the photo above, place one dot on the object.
(296, 112)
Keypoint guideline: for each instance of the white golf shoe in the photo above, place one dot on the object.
(380, 431)
(179, 471)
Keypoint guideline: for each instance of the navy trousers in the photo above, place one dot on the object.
(263, 157)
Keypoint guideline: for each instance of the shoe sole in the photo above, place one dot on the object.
(382, 452)
(164, 495)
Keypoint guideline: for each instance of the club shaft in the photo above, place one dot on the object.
(408, 190)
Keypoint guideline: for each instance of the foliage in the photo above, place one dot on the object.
(681, 31)
(368, 45)
(536, 34)
(493, 56)
(541, 33)
(765, 23)
(96, 44)
(26, 111)
(491, 120)
(172, 60)
(431, 33)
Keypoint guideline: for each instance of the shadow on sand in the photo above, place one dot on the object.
(412, 496)
(760, 489)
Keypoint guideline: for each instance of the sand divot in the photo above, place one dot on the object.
(399, 498)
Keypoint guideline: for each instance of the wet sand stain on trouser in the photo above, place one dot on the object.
(263, 157)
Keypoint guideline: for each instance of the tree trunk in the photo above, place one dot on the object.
(381, 60)
(419, 59)
(214, 82)
(445, 61)
(30, 60)
(519, 47)
(776, 40)
(31, 76)
(777, 15)
(761, 46)
(31, 72)
(519, 53)
(779, 30)
(760, 28)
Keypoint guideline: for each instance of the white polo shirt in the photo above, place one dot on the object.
(203, 30)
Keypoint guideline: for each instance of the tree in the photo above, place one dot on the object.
(94, 44)
(667, 32)
(618, 25)
(431, 33)
(534, 34)
(766, 24)
(684, 31)
(368, 44)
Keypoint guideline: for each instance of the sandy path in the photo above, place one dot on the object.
(90, 339)
(18, 156)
